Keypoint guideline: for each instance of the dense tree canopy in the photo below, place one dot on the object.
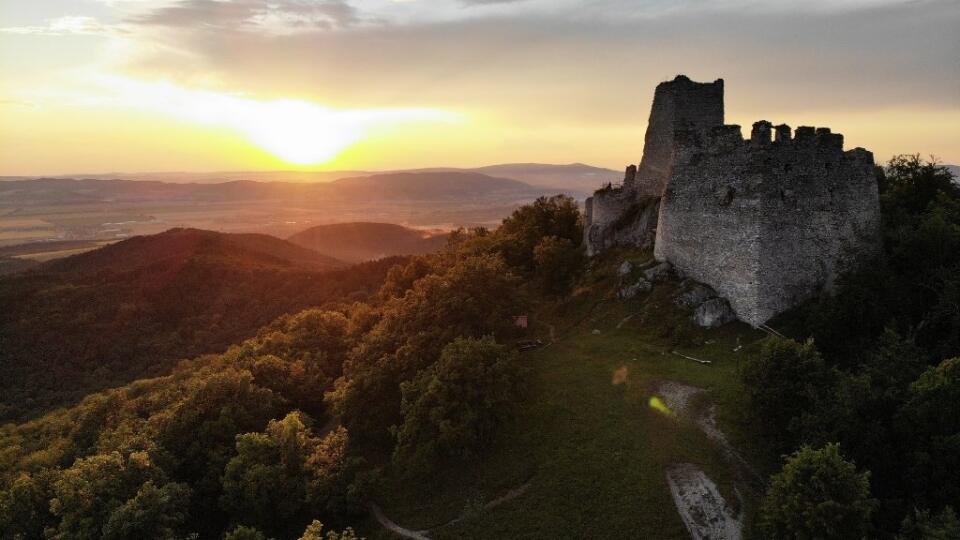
(818, 495)
(265, 440)
(72, 327)
(453, 407)
(881, 375)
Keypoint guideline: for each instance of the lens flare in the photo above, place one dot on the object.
(658, 405)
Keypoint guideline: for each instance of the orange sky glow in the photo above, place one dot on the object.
(92, 86)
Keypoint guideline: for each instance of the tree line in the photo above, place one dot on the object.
(867, 402)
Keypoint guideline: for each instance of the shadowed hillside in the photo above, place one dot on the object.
(356, 242)
(183, 245)
(132, 309)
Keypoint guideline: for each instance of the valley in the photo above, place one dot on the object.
(111, 207)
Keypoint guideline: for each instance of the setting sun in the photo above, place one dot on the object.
(296, 131)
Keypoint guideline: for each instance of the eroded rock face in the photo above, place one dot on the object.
(713, 313)
(693, 295)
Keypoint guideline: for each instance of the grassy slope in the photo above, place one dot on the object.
(593, 450)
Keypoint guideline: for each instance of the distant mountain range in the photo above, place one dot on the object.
(575, 177)
(405, 186)
(356, 242)
(103, 209)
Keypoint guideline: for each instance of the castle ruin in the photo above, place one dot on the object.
(767, 222)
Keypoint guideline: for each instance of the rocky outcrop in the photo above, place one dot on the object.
(713, 312)
(639, 286)
(693, 295)
(658, 272)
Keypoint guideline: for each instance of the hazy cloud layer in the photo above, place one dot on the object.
(63, 26)
(251, 14)
(599, 60)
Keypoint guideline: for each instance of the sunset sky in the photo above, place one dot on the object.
(92, 86)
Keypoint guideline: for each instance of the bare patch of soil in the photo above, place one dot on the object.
(703, 510)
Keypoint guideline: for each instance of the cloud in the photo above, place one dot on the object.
(276, 17)
(600, 65)
(63, 26)
(483, 2)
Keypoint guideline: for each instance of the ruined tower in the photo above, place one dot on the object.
(680, 104)
(767, 221)
(627, 214)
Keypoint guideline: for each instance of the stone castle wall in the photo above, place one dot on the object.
(767, 222)
(615, 217)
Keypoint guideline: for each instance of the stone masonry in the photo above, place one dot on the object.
(767, 221)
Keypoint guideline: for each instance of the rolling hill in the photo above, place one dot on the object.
(132, 309)
(356, 242)
(177, 247)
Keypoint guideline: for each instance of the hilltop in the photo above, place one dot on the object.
(133, 308)
(360, 241)
(176, 248)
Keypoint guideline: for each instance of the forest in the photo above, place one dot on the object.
(134, 309)
(285, 434)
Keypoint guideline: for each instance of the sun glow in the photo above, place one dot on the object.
(296, 131)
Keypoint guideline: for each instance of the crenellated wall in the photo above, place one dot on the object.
(767, 222)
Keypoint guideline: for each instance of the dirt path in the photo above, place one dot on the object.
(677, 397)
(390, 525)
(703, 510)
(512, 494)
(387, 523)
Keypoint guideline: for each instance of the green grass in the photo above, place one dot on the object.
(593, 448)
